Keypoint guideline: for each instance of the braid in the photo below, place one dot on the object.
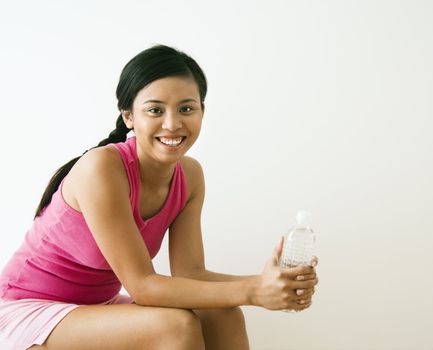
(117, 135)
(155, 63)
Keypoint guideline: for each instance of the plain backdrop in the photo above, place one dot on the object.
(318, 105)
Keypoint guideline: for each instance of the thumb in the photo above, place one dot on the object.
(278, 250)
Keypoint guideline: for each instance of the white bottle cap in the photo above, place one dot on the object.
(304, 218)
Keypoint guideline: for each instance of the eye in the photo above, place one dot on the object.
(190, 109)
(153, 109)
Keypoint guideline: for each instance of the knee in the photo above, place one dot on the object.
(233, 315)
(185, 327)
(187, 321)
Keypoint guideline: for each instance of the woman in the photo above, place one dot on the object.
(102, 219)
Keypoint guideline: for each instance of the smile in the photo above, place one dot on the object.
(171, 142)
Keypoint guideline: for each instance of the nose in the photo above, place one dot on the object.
(171, 122)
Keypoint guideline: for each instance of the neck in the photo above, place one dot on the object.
(154, 175)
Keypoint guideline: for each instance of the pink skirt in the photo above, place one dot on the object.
(27, 322)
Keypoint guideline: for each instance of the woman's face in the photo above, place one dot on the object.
(169, 107)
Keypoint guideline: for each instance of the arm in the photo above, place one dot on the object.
(192, 286)
(186, 244)
(206, 275)
(180, 292)
(187, 263)
(102, 192)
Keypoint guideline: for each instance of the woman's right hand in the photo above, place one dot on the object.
(278, 288)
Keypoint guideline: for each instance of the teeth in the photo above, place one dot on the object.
(171, 142)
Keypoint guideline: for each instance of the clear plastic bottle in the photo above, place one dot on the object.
(299, 243)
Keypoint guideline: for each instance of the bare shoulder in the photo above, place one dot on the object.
(191, 164)
(194, 175)
(102, 192)
(105, 159)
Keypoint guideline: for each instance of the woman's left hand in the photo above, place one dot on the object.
(306, 295)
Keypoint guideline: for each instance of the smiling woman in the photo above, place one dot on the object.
(165, 127)
(101, 221)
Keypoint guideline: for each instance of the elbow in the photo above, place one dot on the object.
(145, 291)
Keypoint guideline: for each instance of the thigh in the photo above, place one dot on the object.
(116, 327)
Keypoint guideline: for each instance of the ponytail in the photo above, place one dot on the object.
(119, 134)
(156, 62)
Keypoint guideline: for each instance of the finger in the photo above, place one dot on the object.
(298, 270)
(298, 306)
(314, 261)
(307, 277)
(303, 284)
(304, 292)
(300, 293)
(304, 304)
(307, 294)
(278, 250)
(304, 300)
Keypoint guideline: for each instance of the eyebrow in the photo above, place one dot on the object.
(183, 101)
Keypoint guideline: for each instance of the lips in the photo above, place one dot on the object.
(168, 145)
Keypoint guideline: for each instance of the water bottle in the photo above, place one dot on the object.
(299, 242)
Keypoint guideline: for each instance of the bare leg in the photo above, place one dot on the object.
(223, 329)
(126, 327)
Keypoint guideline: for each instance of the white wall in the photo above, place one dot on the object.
(323, 105)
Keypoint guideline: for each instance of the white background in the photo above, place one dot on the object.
(321, 105)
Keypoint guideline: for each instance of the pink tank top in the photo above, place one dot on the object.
(59, 258)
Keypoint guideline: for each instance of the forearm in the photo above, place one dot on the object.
(187, 293)
(206, 275)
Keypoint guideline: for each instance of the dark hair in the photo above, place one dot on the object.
(156, 62)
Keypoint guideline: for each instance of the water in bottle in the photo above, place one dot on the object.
(299, 242)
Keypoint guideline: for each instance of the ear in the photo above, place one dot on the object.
(127, 119)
